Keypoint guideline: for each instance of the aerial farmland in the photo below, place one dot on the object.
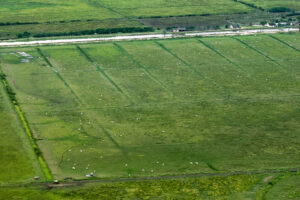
(166, 116)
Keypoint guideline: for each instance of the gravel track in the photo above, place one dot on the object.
(147, 37)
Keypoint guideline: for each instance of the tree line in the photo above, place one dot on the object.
(89, 32)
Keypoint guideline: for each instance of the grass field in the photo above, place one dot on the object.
(79, 17)
(50, 10)
(149, 108)
(268, 4)
(18, 163)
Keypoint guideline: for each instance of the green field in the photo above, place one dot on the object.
(78, 17)
(268, 4)
(151, 108)
(51, 10)
(18, 162)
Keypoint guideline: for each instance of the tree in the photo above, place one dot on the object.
(263, 23)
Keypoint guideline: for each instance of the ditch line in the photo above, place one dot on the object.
(24, 122)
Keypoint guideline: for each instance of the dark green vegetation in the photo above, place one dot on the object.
(194, 188)
(27, 18)
(240, 187)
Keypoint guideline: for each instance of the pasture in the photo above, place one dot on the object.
(66, 10)
(52, 17)
(161, 107)
(269, 4)
(18, 162)
(27, 18)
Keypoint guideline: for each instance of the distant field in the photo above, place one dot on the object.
(51, 16)
(78, 17)
(51, 10)
(268, 4)
(149, 108)
(144, 8)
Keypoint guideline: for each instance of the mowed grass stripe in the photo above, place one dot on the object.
(283, 98)
(223, 56)
(152, 76)
(283, 54)
(95, 64)
(180, 79)
(98, 4)
(210, 65)
(249, 59)
(291, 39)
(58, 75)
(283, 42)
(239, 67)
(267, 77)
(258, 51)
(186, 64)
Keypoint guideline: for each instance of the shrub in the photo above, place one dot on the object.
(279, 9)
(23, 35)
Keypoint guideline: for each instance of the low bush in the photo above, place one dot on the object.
(279, 9)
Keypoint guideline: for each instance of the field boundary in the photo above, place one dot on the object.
(250, 5)
(168, 177)
(26, 128)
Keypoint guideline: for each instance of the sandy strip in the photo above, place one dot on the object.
(147, 37)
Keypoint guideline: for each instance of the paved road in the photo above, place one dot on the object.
(147, 37)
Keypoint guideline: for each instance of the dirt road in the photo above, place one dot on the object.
(146, 37)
